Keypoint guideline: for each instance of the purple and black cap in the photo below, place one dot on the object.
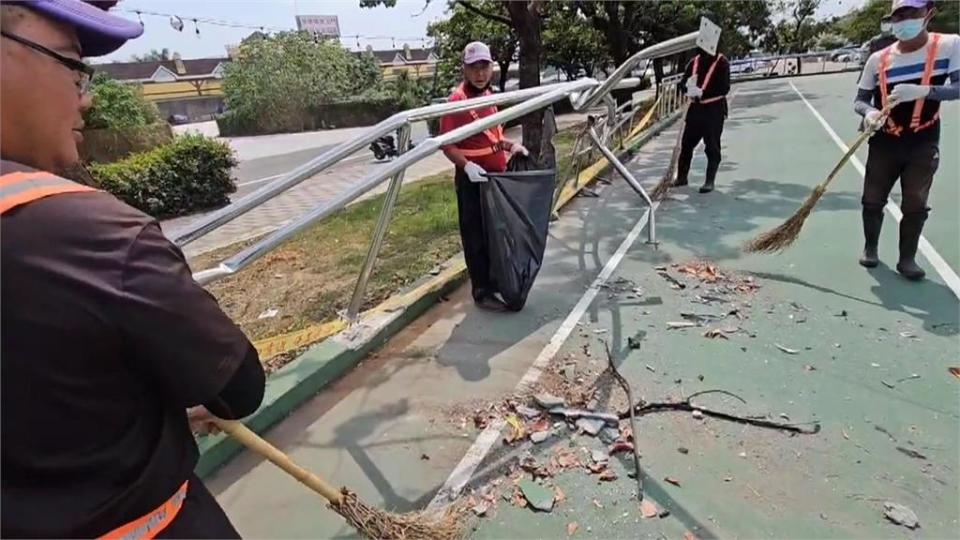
(99, 32)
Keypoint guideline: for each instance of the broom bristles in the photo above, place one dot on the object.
(786, 233)
(373, 523)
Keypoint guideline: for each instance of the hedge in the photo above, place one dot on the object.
(110, 144)
(191, 173)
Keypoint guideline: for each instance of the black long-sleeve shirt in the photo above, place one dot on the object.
(719, 83)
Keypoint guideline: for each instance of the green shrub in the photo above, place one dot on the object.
(189, 174)
(118, 106)
(107, 145)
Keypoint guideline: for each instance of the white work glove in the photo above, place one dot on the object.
(475, 172)
(873, 120)
(517, 148)
(694, 93)
(908, 92)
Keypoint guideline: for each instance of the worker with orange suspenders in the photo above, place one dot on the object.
(473, 157)
(110, 351)
(706, 81)
(912, 76)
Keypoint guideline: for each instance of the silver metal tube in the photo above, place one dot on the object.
(214, 220)
(389, 201)
(664, 48)
(625, 173)
(423, 149)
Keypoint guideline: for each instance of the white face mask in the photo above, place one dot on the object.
(908, 29)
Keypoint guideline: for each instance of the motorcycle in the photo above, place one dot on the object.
(384, 147)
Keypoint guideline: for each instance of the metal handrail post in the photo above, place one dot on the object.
(380, 232)
(625, 173)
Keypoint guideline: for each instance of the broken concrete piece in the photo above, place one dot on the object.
(569, 372)
(539, 497)
(540, 436)
(600, 456)
(608, 435)
(548, 401)
(481, 508)
(901, 515)
(527, 412)
(590, 426)
(697, 414)
(573, 414)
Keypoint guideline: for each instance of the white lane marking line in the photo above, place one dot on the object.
(947, 273)
(464, 470)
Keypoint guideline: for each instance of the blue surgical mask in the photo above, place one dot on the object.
(908, 29)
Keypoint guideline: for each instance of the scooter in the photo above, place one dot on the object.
(384, 147)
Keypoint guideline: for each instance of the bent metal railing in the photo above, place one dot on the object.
(583, 94)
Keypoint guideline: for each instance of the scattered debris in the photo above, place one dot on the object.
(607, 476)
(912, 453)
(700, 317)
(539, 497)
(516, 432)
(651, 368)
(714, 333)
(590, 426)
(569, 372)
(600, 331)
(673, 325)
(648, 509)
(527, 412)
(619, 446)
(842, 314)
(689, 536)
(784, 416)
(674, 282)
(540, 436)
(663, 514)
(559, 495)
(597, 504)
(728, 479)
(683, 450)
(910, 378)
(571, 528)
(874, 365)
(808, 367)
(786, 350)
(549, 401)
(908, 335)
(888, 385)
(480, 509)
(268, 314)
(612, 366)
(634, 341)
(573, 414)
(424, 457)
(672, 480)
(901, 515)
(600, 456)
(697, 414)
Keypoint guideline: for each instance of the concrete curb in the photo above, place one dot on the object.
(324, 362)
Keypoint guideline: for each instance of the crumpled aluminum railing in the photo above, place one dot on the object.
(583, 93)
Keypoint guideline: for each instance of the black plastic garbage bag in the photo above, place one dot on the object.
(516, 207)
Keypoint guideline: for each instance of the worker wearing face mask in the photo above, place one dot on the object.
(473, 157)
(911, 77)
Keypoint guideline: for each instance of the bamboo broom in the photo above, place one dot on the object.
(666, 181)
(781, 237)
(370, 522)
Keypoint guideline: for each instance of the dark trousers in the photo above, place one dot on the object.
(200, 516)
(914, 165)
(473, 235)
(703, 122)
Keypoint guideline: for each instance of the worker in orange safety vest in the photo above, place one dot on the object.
(706, 82)
(111, 353)
(911, 77)
(473, 157)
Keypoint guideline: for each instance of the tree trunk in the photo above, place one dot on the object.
(526, 21)
(504, 75)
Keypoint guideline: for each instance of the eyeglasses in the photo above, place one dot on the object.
(86, 72)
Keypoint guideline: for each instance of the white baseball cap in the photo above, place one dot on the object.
(476, 52)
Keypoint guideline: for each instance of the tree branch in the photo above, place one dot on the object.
(486, 15)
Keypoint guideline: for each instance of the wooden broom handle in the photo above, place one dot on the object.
(867, 133)
(256, 443)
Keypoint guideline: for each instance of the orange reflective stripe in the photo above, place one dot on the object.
(706, 80)
(150, 525)
(494, 134)
(19, 188)
(891, 127)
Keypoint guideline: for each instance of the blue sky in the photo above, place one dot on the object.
(403, 21)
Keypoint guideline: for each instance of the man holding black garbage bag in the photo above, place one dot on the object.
(474, 157)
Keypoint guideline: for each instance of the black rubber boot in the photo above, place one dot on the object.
(683, 171)
(872, 223)
(911, 226)
(707, 186)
